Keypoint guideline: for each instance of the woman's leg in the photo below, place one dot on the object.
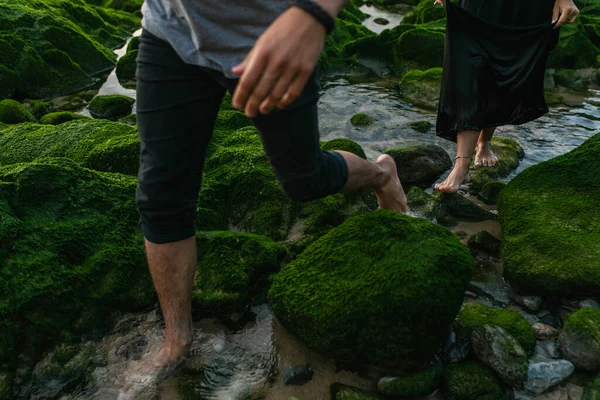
(465, 141)
(485, 157)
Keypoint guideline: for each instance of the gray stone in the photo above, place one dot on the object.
(488, 284)
(531, 303)
(544, 332)
(298, 375)
(544, 375)
(486, 242)
(589, 303)
(421, 164)
(575, 392)
(501, 352)
(546, 350)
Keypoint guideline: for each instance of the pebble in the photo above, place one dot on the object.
(531, 303)
(544, 375)
(544, 332)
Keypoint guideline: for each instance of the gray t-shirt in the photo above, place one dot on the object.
(217, 34)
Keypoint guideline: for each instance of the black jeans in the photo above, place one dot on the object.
(177, 105)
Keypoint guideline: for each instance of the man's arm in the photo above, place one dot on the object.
(277, 68)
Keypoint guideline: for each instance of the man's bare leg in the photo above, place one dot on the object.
(485, 157)
(381, 175)
(465, 141)
(172, 266)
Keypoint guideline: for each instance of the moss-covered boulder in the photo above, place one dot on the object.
(60, 117)
(417, 384)
(421, 126)
(473, 315)
(38, 107)
(422, 88)
(509, 153)
(346, 145)
(50, 47)
(110, 106)
(491, 192)
(70, 253)
(419, 49)
(420, 164)
(551, 225)
(379, 289)
(569, 78)
(13, 112)
(425, 12)
(335, 56)
(343, 392)
(132, 6)
(574, 50)
(232, 267)
(126, 66)
(362, 119)
(471, 380)
(579, 339)
(96, 144)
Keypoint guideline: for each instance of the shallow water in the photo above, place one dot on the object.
(373, 13)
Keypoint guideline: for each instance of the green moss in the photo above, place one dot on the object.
(110, 106)
(134, 44)
(126, 66)
(13, 112)
(421, 383)
(131, 120)
(592, 392)
(343, 392)
(582, 331)
(491, 192)
(569, 78)
(509, 154)
(362, 119)
(422, 88)
(73, 245)
(345, 145)
(421, 126)
(446, 207)
(472, 381)
(553, 99)
(425, 12)
(232, 267)
(473, 315)
(96, 144)
(550, 223)
(57, 118)
(418, 49)
(574, 50)
(378, 289)
(37, 107)
(334, 54)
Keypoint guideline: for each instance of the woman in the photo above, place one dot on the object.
(495, 58)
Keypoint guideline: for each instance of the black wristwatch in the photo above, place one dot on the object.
(316, 11)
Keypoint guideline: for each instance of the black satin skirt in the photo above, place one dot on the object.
(494, 64)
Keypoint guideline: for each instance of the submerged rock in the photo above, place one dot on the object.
(553, 248)
(362, 119)
(421, 164)
(544, 375)
(416, 384)
(110, 106)
(579, 339)
(489, 285)
(471, 380)
(546, 350)
(345, 279)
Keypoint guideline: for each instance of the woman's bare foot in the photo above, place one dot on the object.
(390, 195)
(458, 176)
(485, 157)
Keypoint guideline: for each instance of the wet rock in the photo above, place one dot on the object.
(471, 380)
(486, 242)
(126, 66)
(420, 383)
(455, 350)
(381, 21)
(591, 303)
(531, 303)
(298, 375)
(473, 315)
(559, 393)
(110, 106)
(533, 240)
(133, 348)
(343, 392)
(569, 78)
(544, 332)
(491, 192)
(60, 117)
(325, 293)
(462, 207)
(509, 153)
(421, 88)
(422, 164)
(13, 112)
(546, 350)
(131, 119)
(575, 391)
(421, 126)
(500, 351)
(546, 317)
(362, 119)
(425, 12)
(488, 284)
(579, 339)
(544, 375)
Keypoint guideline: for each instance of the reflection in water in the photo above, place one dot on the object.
(374, 13)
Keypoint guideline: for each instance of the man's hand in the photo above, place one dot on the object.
(277, 68)
(565, 11)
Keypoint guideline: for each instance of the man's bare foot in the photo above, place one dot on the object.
(174, 348)
(390, 195)
(458, 176)
(485, 157)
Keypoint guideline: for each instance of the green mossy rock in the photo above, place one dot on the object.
(232, 268)
(420, 164)
(421, 126)
(425, 12)
(592, 392)
(381, 21)
(49, 47)
(579, 339)
(551, 223)
(574, 50)
(474, 315)
(417, 384)
(491, 192)
(134, 44)
(96, 144)
(509, 154)
(380, 289)
(132, 6)
(69, 247)
(37, 107)
(60, 117)
(362, 119)
(334, 54)
(346, 145)
(422, 88)
(13, 112)
(471, 380)
(343, 392)
(126, 66)
(553, 99)
(569, 78)
(420, 49)
(110, 106)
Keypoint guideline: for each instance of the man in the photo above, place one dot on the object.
(264, 52)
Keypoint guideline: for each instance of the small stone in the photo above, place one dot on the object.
(546, 350)
(544, 332)
(421, 126)
(361, 119)
(591, 303)
(531, 303)
(488, 283)
(544, 375)
(298, 375)
(501, 352)
(381, 21)
(579, 339)
(575, 392)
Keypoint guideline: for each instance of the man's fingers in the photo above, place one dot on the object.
(295, 89)
(261, 90)
(277, 92)
(248, 81)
